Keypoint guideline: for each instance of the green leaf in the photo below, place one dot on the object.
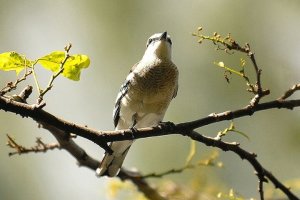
(222, 65)
(232, 129)
(52, 61)
(12, 61)
(241, 133)
(74, 65)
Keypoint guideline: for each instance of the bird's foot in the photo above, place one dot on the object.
(133, 131)
(169, 126)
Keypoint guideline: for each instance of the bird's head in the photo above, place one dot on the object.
(159, 45)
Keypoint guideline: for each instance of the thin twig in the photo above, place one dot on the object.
(250, 157)
(289, 92)
(171, 171)
(168, 172)
(229, 44)
(39, 147)
(54, 76)
(13, 85)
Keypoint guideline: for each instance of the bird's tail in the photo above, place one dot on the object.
(111, 163)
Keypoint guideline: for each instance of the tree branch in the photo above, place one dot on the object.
(42, 116)
(185, 129)
(101, 137)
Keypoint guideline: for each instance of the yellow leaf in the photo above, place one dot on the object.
(52, 61)
(12, 61)
(74, 65)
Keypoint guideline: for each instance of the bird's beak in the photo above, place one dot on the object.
(163, 36)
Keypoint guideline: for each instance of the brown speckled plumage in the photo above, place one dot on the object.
(153, 88)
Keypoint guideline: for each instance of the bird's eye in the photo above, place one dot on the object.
(169, 40)
(149, 41)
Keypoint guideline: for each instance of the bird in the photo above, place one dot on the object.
(143, 98)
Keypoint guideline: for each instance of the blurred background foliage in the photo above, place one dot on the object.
(113, 34)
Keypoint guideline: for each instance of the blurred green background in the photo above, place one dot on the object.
(113, 34)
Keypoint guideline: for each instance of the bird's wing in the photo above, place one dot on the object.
(123, 91)
(176, 87)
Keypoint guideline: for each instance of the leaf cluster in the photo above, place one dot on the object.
(13, 61)
(58, 62)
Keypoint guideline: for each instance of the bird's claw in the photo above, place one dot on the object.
(133, 131)
(170, 126)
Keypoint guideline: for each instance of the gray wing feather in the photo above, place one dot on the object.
(123, 91)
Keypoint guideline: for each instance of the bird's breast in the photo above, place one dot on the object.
(152, 88)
